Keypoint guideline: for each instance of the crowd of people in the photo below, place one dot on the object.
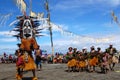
(7, 58)
(76, 60)
(87, 61)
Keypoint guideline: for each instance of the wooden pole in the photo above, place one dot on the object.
(50, 28)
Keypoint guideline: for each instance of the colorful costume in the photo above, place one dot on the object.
(27, 29)
(93, 61)
(112, 58)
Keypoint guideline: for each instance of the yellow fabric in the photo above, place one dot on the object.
(26, 43)
(93, 61)
(82, 64)
(72, 63)
(30, 65)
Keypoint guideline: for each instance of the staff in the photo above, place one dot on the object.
(50, 27)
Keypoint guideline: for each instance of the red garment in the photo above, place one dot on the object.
(10, 57)
(19, 61)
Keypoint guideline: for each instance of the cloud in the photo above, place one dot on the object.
(76, 40)
(62, 44)
(8, 39)
(110, 3)
(83, 3)
(9, 49)
(4, 18)
(113, 3)
(6, 36)
(3, 32)
(107, 25)
(7, 33)
(81, 9)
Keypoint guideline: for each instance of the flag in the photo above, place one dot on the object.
(112, 13)
(114, 17)
(22, 5)
(46, 5)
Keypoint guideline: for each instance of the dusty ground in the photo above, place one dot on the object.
(58, 72)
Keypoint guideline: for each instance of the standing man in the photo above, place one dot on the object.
(69, 54)
(38, 58)
(93, 59)
(112, 59)
(111, 50)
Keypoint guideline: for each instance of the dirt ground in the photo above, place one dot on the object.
(58, 72)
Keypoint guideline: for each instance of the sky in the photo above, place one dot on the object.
(83, 23)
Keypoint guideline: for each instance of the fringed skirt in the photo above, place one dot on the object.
(29, 65)
(93, 61)
(72, 63)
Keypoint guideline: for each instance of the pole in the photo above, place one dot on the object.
(50, 28)
(30, 7)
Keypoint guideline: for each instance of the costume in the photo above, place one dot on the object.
(112, 56)
(93, 61)
(93, 58)
(27, 33)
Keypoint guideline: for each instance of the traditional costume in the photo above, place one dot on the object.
(28, 43)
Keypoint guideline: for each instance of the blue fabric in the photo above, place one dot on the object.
(38, 62)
